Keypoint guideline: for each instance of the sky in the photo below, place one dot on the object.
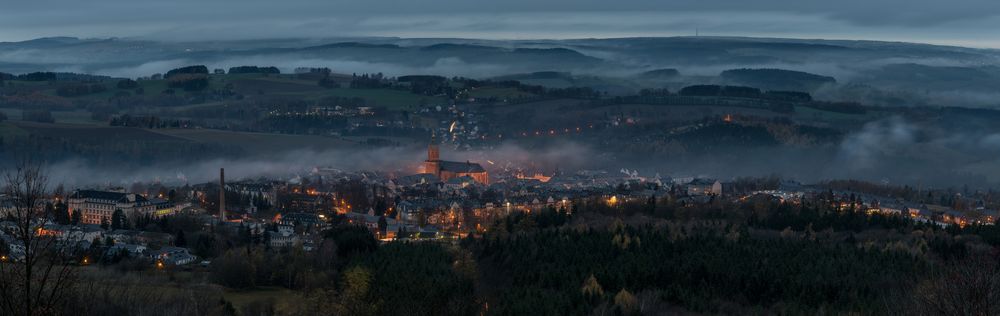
(957, 22)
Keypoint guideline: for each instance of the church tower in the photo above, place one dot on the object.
(432, 165)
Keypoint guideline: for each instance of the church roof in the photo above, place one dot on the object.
(418, 179)
(461, 167)
(702, 181)
(109, 196)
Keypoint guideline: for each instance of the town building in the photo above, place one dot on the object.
(446, 170)
(173, 256)
(704, 187)
(97, 207)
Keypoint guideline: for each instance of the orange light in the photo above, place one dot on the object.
(613, 200)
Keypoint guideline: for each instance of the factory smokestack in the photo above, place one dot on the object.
(222, 194)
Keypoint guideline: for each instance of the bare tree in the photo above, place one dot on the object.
(966, 287)
(35, 279)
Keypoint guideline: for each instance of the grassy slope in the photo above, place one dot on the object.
(258, 142)
(253, 84)
(499, 93)
(253, 143)
(8, 129)
(93, 133)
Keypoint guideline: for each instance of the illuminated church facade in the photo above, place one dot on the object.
(446, 170)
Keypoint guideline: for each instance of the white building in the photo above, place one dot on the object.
(98, 206)
(704, 187)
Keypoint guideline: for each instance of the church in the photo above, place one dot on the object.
(446, 170)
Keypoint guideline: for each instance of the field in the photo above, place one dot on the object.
(821, 115)
(392, 99)
(253, 143)
(498, 93)
(260, 143)
(73, 117)
(9, 129)
(91, 133)
(249, 85)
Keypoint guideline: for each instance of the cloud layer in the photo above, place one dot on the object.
(968, 22)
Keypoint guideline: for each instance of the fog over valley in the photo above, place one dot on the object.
(452, 157)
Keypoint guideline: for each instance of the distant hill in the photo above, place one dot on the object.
(938, 78)
(877, 71)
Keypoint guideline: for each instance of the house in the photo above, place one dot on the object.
(123, 236)
(460, 182)
(409, 211)
(298, 218)
(416, 179)
(130, 249)
(174, 256)
(702, 186)
(15, 248)
(370, 221)
(282, 239)
(286, 229)
(6, 205)
(71, 233)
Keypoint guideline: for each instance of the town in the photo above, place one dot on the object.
(502, 158)
(164, 226)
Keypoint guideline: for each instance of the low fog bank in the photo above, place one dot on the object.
(890, 151)
(444, 66)
(394, 161)
(959, 81)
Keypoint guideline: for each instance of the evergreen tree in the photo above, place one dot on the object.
(118, 220)
(180, 241)
(383, 225)
(50, 210)
(61, 213)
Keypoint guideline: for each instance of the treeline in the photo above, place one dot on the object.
(349, 273)
(777, 78)
(52, 76)
(41, 116)
(146, 122)
(369, 81)
(34, 76)
(254, 70)
(190, 78)
(188, 70)
(758, 255)
(541, 91)
(743, 92)
(628, 270)
(708, 138)
(958, 198)
(427, 85)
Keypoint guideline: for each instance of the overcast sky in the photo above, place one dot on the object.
(961, 22)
